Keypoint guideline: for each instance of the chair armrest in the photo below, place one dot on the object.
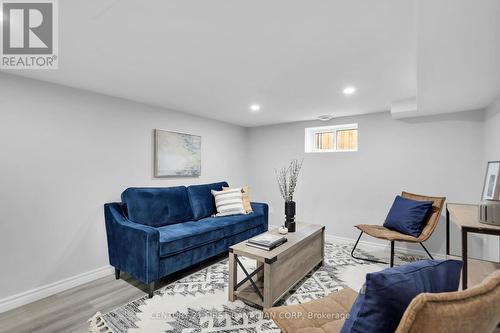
(132, 247)
(261, 208)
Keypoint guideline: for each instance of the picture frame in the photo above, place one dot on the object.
(491, 186)
(176, 154)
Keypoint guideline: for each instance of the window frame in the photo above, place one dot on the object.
(310, 133)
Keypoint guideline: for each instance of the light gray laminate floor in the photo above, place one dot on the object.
(69, 311)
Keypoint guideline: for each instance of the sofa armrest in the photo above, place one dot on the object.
(261, 208)
(132, 247)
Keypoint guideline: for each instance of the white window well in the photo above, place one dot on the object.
(336, 138)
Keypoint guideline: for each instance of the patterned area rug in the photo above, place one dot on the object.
(198, 302)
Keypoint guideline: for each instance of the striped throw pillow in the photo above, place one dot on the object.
(246, 198)
(229, 202)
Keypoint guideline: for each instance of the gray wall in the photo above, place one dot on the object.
(492, 132)
(64, 153)
(440, 155)
(492, 153)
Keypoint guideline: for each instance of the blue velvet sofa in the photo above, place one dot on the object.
(154, 232)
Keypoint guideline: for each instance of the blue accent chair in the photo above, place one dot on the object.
(154, 232)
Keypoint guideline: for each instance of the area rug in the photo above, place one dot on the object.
(198, 302)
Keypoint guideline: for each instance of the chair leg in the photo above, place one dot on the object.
(365, 259)
(428, 253)
(151, 289)
(392, 253)
(117, 273)
(354, 248)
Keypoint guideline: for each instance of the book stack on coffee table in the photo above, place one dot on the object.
(266, 241)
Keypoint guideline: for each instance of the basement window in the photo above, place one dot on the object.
(327, 139)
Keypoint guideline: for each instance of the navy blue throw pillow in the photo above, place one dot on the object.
(386, 294)
(408, 216)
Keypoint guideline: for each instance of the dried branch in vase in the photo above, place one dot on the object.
(282, 182)
(295, 167)
(287, 178)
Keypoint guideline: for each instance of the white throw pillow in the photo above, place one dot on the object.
(229, 202)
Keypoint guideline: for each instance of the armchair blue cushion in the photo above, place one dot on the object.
(201, 199)
(158, 231)
(157, 206)
(408, 216)
(386, 294)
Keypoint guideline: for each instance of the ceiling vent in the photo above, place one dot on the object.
(325, 117)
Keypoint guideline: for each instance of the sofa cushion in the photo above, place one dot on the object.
(408, 216)
(201, 199)
(157, 206)
(234, 224)
(386, 294)
(177, 238)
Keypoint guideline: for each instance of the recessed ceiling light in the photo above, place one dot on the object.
(325, 117)
(349, 90)
(255, 107)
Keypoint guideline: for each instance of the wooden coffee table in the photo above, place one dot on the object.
(277, 270)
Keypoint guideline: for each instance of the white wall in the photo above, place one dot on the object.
(440, 155)
(492, 153)
(492, 132)
(66, 152)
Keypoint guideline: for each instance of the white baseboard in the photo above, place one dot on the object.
(32, 295)
(373, 245)
(379, 246)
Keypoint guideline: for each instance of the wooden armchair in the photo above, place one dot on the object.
(381, 232)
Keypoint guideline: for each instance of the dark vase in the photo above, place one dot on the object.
(290, 215)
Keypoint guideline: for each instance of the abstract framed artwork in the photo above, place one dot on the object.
(176, 154)
(491, 186)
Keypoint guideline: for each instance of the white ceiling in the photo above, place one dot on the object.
(215, 58)
(458, 54)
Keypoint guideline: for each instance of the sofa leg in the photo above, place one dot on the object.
(392, 253)
(151, 289)
(117, 273)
